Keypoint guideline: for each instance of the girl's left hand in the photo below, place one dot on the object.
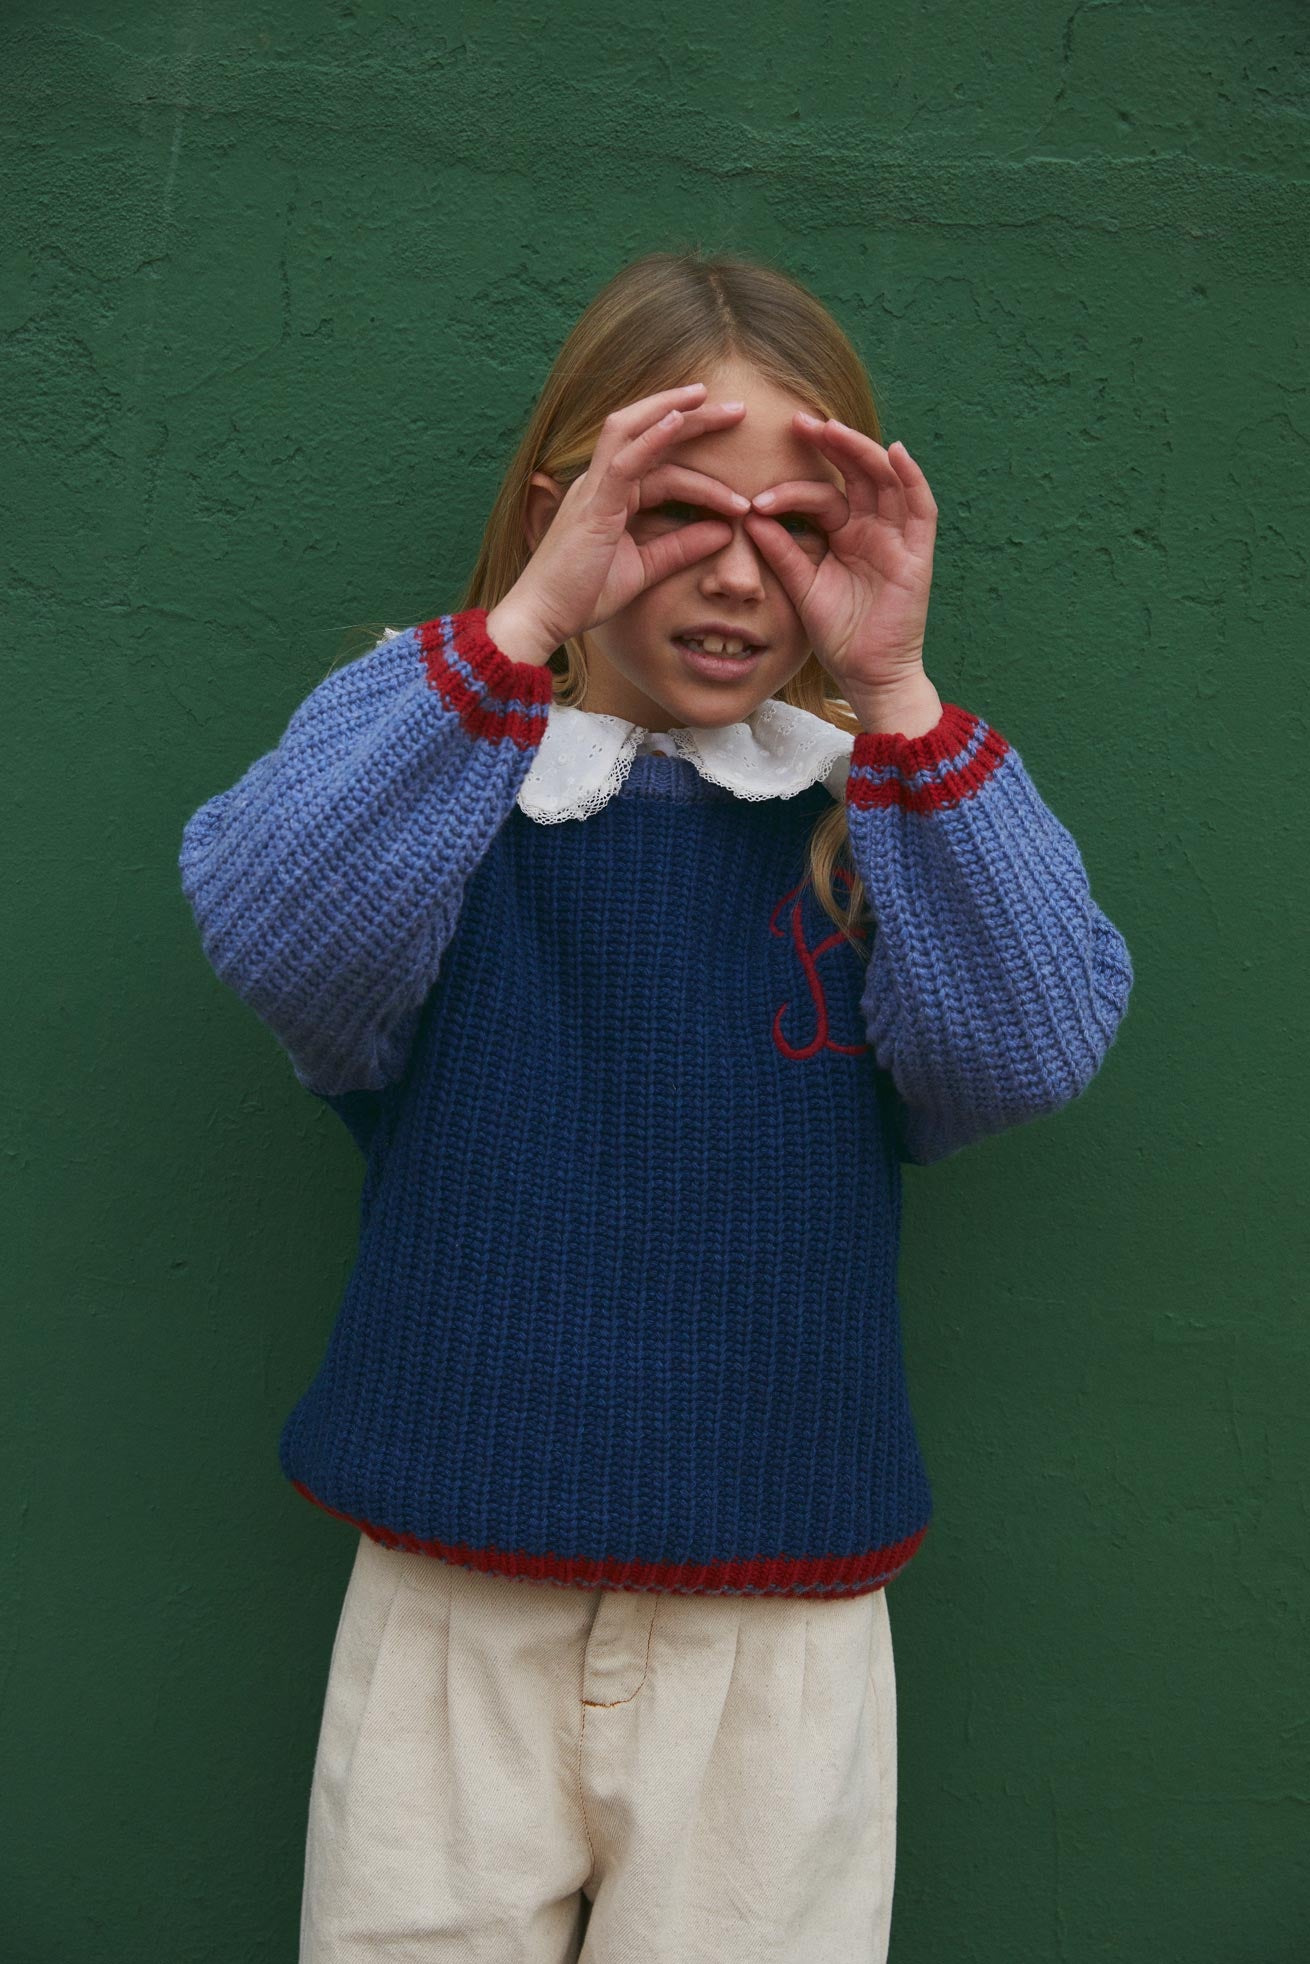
(864, 605)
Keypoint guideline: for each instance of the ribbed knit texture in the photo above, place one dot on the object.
(624, 1309)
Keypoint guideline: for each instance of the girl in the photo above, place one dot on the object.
(637, 964)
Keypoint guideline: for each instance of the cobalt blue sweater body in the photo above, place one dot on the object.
(633, 1112)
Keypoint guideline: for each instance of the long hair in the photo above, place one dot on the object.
(662, 320)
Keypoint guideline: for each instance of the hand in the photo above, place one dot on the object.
(587, 565)
(864, 604)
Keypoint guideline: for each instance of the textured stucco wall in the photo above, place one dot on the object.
(284, 281)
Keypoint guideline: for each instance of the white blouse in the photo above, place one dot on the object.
(778, 750)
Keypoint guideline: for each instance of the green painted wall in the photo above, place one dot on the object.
(283, 284)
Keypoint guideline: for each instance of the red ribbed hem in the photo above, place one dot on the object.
(954, 759)
(778, 1575)
(503, 698)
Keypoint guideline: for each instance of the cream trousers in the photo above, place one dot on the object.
(514, 1772)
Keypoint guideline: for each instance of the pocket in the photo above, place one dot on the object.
(881, 1691)
(362, 1627)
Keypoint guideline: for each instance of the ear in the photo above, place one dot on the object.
(544, 496)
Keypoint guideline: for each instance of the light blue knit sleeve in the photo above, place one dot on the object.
(327, 881)
(995, 984)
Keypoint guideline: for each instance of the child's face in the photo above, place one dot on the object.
(635, 670)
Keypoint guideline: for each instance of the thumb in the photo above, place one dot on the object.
(689, 543)
(794, 568)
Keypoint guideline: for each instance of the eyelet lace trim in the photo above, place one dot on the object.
(777, 751)
(582, 770)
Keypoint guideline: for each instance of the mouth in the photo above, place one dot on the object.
(703, 662)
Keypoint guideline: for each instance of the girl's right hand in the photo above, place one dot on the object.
(587, 564)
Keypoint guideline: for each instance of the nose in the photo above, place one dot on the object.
(737, 567)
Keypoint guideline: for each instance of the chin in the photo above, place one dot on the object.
(712, 704)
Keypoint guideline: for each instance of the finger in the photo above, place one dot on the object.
(635, 416)
(872, 483)
(678, 409)
(793, 566)
(634, 458)
(709, 415)
(921, 523)
(678, 426)
(680, 482)
(675, 550)
(826, 503)
(621, 424)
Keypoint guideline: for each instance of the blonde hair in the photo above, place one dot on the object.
(662, 320)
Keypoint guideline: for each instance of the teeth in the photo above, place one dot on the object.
(716, 644)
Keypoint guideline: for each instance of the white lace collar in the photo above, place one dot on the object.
(778, 750)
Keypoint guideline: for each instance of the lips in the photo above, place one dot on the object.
(724, 667)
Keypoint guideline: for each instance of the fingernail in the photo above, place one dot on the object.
(732, 405)
(765, 498)
(742, 504)
(811, 422)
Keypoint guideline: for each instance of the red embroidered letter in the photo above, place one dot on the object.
(809, 963)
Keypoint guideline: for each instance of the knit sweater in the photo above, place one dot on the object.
(633, 1113)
